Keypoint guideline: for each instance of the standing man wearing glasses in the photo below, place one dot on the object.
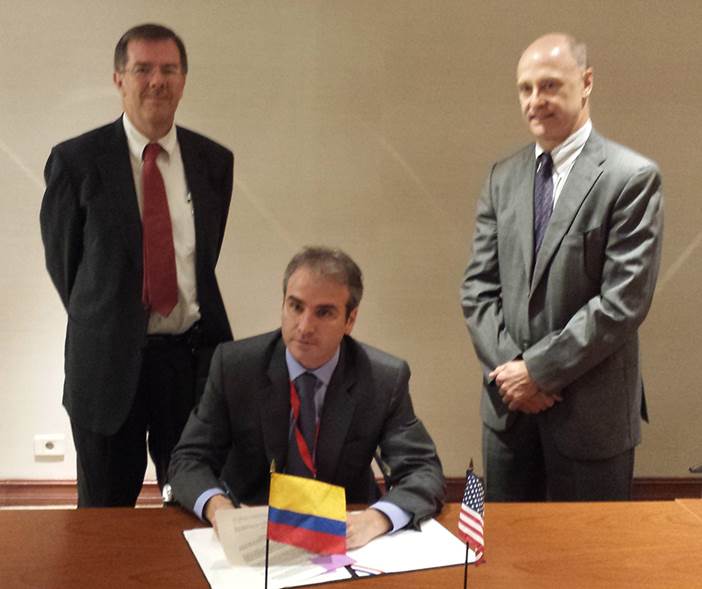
(132, 221)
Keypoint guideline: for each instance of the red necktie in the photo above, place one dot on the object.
(160, 288)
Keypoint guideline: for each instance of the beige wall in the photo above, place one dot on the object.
(364, 124)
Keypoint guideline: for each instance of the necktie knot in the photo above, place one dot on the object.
(151, 152)
(306, 385)
(545, 165)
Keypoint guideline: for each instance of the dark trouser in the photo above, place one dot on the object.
(523, 464)
(111, 468)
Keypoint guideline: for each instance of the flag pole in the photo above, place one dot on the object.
(265, 586)
(470, 519)
(465, 563)
(465, 569)
(268, 540)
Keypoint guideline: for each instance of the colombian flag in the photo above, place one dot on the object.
(307, 513)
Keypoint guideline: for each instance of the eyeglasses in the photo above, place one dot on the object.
(146, 70)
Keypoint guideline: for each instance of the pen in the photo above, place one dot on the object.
(228, 493)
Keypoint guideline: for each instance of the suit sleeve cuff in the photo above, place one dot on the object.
(202, 500)
(398, 517)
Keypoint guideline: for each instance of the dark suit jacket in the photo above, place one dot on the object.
(91, 229)
(242, 422)
(573, 312)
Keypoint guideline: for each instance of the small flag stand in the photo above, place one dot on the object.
(306, 513)
(470, 519)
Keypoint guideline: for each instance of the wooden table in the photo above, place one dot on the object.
(692, 505)
(556, 545)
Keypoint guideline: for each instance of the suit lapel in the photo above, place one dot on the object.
(275, 414)
(585, 172)
(524, 193)
(339, 406)
(195, 166)
(116, 173)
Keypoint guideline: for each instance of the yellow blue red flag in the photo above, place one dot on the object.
(307, 513)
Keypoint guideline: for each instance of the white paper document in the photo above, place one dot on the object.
(237, 558)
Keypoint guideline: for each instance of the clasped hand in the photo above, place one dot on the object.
(517, 389)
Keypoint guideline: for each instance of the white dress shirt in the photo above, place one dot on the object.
(170, 164)
(564, 156)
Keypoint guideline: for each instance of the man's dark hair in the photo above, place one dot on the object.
(151, 32)
(331, 263)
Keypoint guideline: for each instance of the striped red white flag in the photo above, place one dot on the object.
(470, 519)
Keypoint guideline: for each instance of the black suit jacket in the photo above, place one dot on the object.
(242, 423)
(91, 230)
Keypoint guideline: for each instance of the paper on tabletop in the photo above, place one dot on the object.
(237, 557)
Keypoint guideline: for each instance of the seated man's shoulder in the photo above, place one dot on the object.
(251, 350)
(248, 356)
(375, 359)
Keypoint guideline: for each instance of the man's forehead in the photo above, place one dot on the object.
(164, 50)
(310, 296)
(540, 72)
(557, 56)
(312, 288)
(313, 297)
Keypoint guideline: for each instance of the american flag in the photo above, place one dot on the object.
(470, 520)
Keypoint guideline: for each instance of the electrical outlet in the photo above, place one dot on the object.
(49, 445)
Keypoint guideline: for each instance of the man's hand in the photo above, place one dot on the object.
(365, 525)
(519, 392)
(213, 505)
(514, 382)
(536, 404)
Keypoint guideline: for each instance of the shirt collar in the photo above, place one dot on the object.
(137, 142)
(563, 153)
(323, 373)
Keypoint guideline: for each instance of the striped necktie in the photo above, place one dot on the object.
(543, 198)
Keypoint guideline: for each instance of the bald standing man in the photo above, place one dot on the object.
(565, 256)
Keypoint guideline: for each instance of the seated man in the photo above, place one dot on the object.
(315, 401)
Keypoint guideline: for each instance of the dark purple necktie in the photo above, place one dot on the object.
(543, 197)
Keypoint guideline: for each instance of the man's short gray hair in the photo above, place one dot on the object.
(578, 50)
(331, 263)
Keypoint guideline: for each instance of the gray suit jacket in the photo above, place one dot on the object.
(572, 313)
(91, 228)
(242, 422)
